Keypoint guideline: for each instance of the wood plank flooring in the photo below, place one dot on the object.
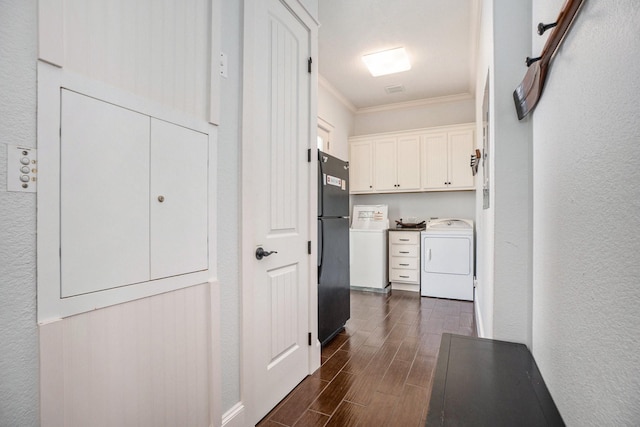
(378, 371)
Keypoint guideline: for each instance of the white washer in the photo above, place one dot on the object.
(447, 259)
(368, 247)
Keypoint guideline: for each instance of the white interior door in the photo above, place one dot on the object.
(276, 205)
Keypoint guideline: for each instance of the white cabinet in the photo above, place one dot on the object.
(385, 178)
(133, 197)
(397, 164)
(361, 167)
(435, 159)
(408, 164)
(129, 191)
(178, 217)
(385, 165)
(445, 160)
(404, 257)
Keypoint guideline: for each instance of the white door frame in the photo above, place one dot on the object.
(247, 243)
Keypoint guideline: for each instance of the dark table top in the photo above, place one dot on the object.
(482, 382)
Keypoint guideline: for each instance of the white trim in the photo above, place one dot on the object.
(474, 42)
(51, 31)
(479, 326)
(435, 129)
(416, 103)
(234, 417)
(215, 91)
(333, 91)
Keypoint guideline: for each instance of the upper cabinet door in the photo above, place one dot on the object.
(408, 164)
(434, 161)
(104, 193)
(460, 149)
(385, 177)
(178, 199)
(361, 167)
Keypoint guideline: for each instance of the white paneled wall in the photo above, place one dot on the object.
(143, 363)
(159, 50)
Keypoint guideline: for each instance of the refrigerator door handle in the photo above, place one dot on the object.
(321, 248)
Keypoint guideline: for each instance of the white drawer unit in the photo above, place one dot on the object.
(404, 259)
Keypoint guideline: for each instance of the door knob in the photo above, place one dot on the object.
(261, 253)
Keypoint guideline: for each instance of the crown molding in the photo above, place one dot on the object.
(416, 103)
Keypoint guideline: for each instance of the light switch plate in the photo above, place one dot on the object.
(22, 169)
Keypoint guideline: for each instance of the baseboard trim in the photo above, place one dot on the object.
(234, 417)
(479, 326)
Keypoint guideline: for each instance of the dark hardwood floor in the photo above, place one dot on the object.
(377, 372)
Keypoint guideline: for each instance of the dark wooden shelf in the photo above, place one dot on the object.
(481, 382)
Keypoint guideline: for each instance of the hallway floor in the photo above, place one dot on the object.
(377, 372)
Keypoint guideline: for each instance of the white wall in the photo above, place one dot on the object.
(450, 111)
(440, 204)
(229, 204)
(586, 192)
(334, 111)
(18, 331)
(19, 352)
(512, 172)
(504, 230)
(485, 218)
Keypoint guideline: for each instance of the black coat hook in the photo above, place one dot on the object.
(542, 27)
(530, 61)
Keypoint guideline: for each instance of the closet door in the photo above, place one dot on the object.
(104, 193)
(178, 200)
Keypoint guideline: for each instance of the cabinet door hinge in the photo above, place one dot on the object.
(309, 64)
(309, 338)
(309, 247)
(309, 155)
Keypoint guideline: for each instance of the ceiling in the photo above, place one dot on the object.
(439, 36)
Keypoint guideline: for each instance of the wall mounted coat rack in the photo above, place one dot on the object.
(528, 93)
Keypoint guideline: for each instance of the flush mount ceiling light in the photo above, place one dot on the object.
(387, 62)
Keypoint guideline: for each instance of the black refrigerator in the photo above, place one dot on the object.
(333, 246)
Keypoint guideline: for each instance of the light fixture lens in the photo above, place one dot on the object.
(387, 62)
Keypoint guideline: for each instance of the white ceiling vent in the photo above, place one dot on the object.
(394, 88)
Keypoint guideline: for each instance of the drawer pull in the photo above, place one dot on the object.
(404, 252)
(405, 265)
(404, 277)
(404, 240)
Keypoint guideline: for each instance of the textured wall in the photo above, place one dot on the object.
(18, 332)
(586, 317)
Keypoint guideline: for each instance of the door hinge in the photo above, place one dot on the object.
(309, 155)
(309, 338)
(309, 247)
(309, 64)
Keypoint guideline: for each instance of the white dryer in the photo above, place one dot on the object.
(447, 259)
